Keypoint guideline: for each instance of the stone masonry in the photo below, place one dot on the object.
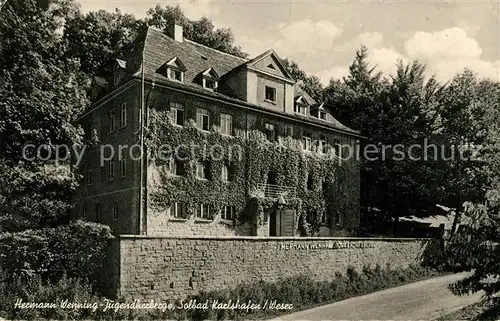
(172, 268)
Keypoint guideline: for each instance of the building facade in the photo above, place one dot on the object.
(230, 146)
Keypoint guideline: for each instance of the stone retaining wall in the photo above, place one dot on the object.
(168, 268)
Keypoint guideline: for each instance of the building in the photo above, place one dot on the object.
(276, 172)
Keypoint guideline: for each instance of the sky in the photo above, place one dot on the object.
(322, 36)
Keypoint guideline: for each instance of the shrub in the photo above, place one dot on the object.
(75, 250)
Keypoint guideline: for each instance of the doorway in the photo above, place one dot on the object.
(282, 223)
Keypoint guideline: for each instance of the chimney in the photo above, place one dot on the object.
(174, 31)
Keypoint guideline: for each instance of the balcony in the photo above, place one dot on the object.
(273, 191)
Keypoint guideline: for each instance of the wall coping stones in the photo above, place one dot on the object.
(279, 238)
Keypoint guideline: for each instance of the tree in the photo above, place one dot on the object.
(309, 83)
(401, 110)
(41, 93)
(202, 31)
(98, 36)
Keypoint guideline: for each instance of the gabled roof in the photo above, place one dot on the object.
(153, 49)
(177, 63)
(300, 93)
(272, 53)
(121, 63)
(158, 48)
(210, 72)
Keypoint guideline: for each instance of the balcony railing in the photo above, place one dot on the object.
(273, 191)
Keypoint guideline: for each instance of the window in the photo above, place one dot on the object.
(270, 132)
(177, 113)
(310, 181)
(98, 213)
(176, 167)
(115, 211)
(270, 94)
(340, 218)
(116, 78)
(300, 109)
(337, 148)
(311, 215)
(324, 219)
(123, 115)
(322, 146)
(225, 173)
(123, 164)
(178, 210)
(200, 171)
(306, 142)
(210, 83)
(226, 124)
(111, 173)
(322, 115)
(84, 211)
(203, 211)
(95, 93)
(111, 120)
(289, 130)
(271, 66)
(202, 119)
(175, 74)
(227, 212)
(89, 175)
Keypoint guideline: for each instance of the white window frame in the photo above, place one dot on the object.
(272, 99)
(306, 143)
(225, 173)
(202, 115)
(268, 129)
(324, 219)
(174, 110)
(320, 113)
(201, 171)
(322, 146)
(123, 115)
(211, 84)
(178, 210)
(227, 212)
(226, 124)
(203, 211)
(116, 78)
(173, 72)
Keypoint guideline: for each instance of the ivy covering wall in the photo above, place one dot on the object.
(324, 187)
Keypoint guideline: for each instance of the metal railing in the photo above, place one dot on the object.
(273, 191)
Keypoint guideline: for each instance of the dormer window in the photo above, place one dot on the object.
(209, 79)
(116, 78)
(173, 69)
(95, 93)
(210, 84)
(174, 74)
(300, 106)
(270, 94)
(322, 115)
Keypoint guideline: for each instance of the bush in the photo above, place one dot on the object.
(302, 292)
(75, 250)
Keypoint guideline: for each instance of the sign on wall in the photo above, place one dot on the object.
(325, 245)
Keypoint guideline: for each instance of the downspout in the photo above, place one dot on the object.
(141, 143)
